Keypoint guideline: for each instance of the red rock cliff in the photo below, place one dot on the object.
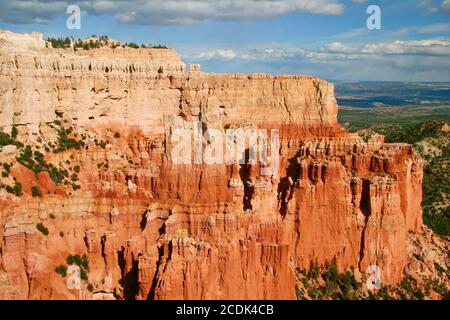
(155, 229)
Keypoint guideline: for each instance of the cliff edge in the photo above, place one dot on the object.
(89, 170)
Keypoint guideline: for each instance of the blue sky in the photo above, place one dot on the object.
(327, 38)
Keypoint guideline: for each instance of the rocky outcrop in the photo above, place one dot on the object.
(155, 229)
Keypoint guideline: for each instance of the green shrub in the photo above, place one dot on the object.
(26, 158)
(80, 261)
(314, 270)
(7, 167)
(62, 270)
(36, 191)
(6, 139)
(6, 170)
(63, 43)
(43, 229)
(65, 142)
(14, 132)
(16, 189)
(117, 135)
(90, 287)
(61, 234)
(325, 282)
(332, 274)
(57, 175)
(101, 143)
(75, 187)
(438, 268)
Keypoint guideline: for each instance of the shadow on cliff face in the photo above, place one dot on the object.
(365, 208)
(364, 205)
(244, 174)
(130, 279)
(286, 184)
(160, 268)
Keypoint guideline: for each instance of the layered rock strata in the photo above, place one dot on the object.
(154, 229)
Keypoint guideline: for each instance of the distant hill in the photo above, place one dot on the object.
(391, 94)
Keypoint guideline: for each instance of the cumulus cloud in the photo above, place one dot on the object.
(412, 60)
(339, 51)
(417, 47)
(217, 54)
(163, 12)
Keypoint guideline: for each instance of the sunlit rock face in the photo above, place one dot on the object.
(155, 229)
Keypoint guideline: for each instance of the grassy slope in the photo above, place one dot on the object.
(379, 118)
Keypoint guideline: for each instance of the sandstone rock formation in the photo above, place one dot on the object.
(153, 229)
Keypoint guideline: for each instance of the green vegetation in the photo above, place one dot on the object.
(62, 270)
(376, 119)
(132, 45)
(90, 287)
(60, 42)
(325, 282)
(36, 191)
(137, 46)
(96, 42)
(75, 187)
(102, 144)
(6, 139)
(14, 132)
(438, 268)
(34, 160)
(6, 169)
(65, 142)
(58, 175)
(88, 45)
(80, 261)
(411, 291)
(436, 189)
(16, 189)
(117, 135)
(43, 229)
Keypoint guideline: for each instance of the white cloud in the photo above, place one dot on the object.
(217, 54)
(445, 7)
(339, 51)
(413, 60)
(166, 11)
(414, 47)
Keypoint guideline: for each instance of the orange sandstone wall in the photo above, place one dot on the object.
(153, 229)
